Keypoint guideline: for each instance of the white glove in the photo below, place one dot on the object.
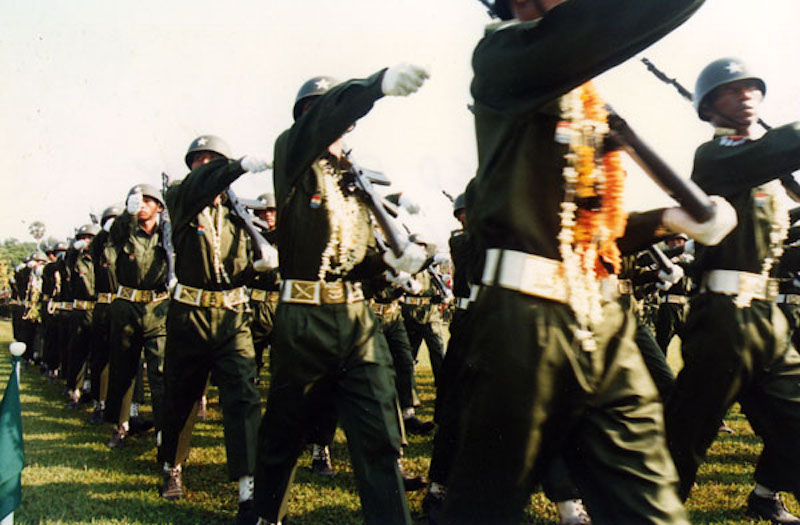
(253, 164)
(710, 232)
(30, 264)
(39, 270)
(404, 280)
(403, 79)
(19, 267)
(411, 260)
(668, 279)
(80, 245)
(268, 260)
(411, 206)
(134, 202)
(108, 223)
(440, 258)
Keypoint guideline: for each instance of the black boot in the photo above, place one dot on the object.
(771, 509)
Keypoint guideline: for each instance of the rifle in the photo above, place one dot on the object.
(360, 182)
(788, 181)
(260, 244)
(684, 191)
(166, 232)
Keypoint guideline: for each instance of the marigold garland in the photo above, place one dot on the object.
(592, 214)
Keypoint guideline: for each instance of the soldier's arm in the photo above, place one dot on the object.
(325, 121)
(642, 230)
(727, 166)
(198, 189)
(520, 67)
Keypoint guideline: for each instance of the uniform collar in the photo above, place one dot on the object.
(723, 132)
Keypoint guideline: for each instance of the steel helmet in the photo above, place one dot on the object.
(112, 211)
(313, 87)
(499, 9)
(88, 230)
(268, 199)
(720, 72)
(459, 204)
(210, 143)
(148, 190)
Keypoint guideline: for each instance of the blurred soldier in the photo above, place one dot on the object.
(265, 288)
(325, 344)
(553, 367)
(105, 281)
(51, 290)
(674, 301)
(736, 345)
(139, 311)
(80, 267)
(208, 322)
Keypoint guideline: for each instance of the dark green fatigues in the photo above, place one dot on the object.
(424, 322)
(51, 288)
(212, 340)
(599, 409)
(788, 274)
(105, 282)
(264, 312)
(739, 354)
(81, 269)
(141, 263)
(328, 351)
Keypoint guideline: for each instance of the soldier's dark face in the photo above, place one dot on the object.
(150, 208)
(736, 104)
(203, 157)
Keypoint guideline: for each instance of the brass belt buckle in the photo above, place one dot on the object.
(189, 296)
(333, 293)
(307, 292)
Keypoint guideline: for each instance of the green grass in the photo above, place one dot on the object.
(72, 478)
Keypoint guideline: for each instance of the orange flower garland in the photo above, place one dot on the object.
(592, 216)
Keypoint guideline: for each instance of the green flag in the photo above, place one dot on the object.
(11, 456)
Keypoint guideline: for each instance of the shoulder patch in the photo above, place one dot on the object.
(732, 140)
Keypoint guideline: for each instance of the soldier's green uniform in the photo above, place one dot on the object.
(81, 269)
(264, 292)
(789, 297)
(211, 337)
(51, 287)
(423, 320)
(673, 307)
(105, 286)
(332, 347)
(735, 353)
(600, 409)
(138, 316)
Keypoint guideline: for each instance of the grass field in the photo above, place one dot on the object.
(72, 478)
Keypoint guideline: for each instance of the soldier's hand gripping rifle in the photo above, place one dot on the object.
(360, 182)
(788, 181)
(266, 256)
(166, 232)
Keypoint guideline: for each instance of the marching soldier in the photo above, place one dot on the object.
(208, 320)
(51, 290)
(736, 345)
(80, 267)
(105, 285)
(325, 342)
(558, 358)
(138, 313)
(674, 301)
(265, 288)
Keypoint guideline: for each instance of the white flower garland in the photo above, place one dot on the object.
(779, 230)
(349, 222)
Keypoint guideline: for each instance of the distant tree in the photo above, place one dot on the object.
(12, 252)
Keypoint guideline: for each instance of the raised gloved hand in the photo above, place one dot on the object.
(410, 205)
(411, 260)
(134, 202)
(403, 79)
(710, 232)
(268, 260)
(80, 245)
(404, 280)
(254, 164)
(440, 258)
(667, 279)
(107, 225)
(39, 270)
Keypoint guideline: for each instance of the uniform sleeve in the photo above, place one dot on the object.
(522, 66)
(642, 230)
(198, 189)
(324, 122)
(726, 167)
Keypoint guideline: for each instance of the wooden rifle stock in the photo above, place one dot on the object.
(684, 191)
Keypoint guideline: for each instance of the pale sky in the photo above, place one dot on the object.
(97, 96)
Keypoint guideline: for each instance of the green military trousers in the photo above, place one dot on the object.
(215, 341)
(136, 328)
(262, 326)
(737, 354)
(670, 319)
(331, 349)
(79, 348)
(534, 393)
(394, 330)
(98, 365)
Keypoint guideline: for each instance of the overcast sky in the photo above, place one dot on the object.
(97, 96)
